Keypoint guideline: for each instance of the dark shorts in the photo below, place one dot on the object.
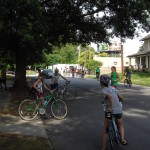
(117, 116)
(128, 76)
(53, 86)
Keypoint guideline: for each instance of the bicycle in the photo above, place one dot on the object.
(29, 109)
(66, 93)
(112, 130)
(127, 82)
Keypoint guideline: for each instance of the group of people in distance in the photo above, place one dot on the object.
(114, 76)
(112, 101)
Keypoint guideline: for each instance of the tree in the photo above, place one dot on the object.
(29, 27)
(94, 64)
(66, 55)
(141, 48)
(103, 54)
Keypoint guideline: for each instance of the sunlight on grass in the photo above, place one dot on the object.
(138, 78)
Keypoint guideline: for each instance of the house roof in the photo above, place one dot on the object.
(145, 38)
(139, 54)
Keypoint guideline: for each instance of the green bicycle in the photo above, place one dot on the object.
(29, 109)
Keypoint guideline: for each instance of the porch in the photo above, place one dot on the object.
(142, 61)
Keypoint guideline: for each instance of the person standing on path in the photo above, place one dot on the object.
(55, 78)
(97, 73)
(3, 78)
(114, 77)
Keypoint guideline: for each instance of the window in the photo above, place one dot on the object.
(127, 63)
(115, 63)
(149, 45)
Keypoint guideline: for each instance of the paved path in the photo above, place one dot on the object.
(81, 129)
(15, 125)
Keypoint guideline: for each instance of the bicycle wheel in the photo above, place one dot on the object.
(117, 138)
(27, 110)
(125, 82)
(111, 136)
(130, 83)
(59, 109)
(69, 94)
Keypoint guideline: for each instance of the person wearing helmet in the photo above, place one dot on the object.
(111, 102)
(55, 78)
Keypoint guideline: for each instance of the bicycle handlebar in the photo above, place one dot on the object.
(67, 82)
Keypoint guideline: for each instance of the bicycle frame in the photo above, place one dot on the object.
(49, 98)
(112, 131)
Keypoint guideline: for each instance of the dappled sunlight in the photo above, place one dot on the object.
(137, 113)
(15, 125)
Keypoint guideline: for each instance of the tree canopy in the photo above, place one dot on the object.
(29, 27)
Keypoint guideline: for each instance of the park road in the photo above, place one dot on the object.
(81, 129)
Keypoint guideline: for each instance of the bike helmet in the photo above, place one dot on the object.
(56, 70)
(44, 74)
(104, 79)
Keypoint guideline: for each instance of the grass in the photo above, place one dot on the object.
(138, 78)
(16, 142)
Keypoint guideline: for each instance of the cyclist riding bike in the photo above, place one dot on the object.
(111, 99)
(128, 73)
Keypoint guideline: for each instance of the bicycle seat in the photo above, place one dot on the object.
(108, 114)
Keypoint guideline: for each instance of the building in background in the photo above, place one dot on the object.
(108, 62)
(112, 49)
(142, 59)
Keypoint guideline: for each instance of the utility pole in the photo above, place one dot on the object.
(122, 61)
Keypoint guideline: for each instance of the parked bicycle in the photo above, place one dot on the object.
(112, 129)
(29, 109)
(127, 82)
(67, 93)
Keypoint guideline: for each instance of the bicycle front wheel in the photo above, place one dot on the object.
(28, 109)
(130, 83)
(125, 82)
(111, 137)
(59, 109)
(69, 94)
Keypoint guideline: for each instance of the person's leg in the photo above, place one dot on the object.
(104, 134)
(121, 130)
(4, 81)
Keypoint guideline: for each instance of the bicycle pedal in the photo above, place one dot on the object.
(42, 111)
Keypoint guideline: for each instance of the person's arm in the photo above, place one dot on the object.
(36, 83)
(109, 97)
(118, 78)
(120, 97)
(46, 87)
(63, 77)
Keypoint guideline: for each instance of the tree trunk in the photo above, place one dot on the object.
(20, 75)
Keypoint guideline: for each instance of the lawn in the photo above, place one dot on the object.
(141, 79)
(138, 78)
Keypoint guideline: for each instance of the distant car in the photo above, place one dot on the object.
(48, 72)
